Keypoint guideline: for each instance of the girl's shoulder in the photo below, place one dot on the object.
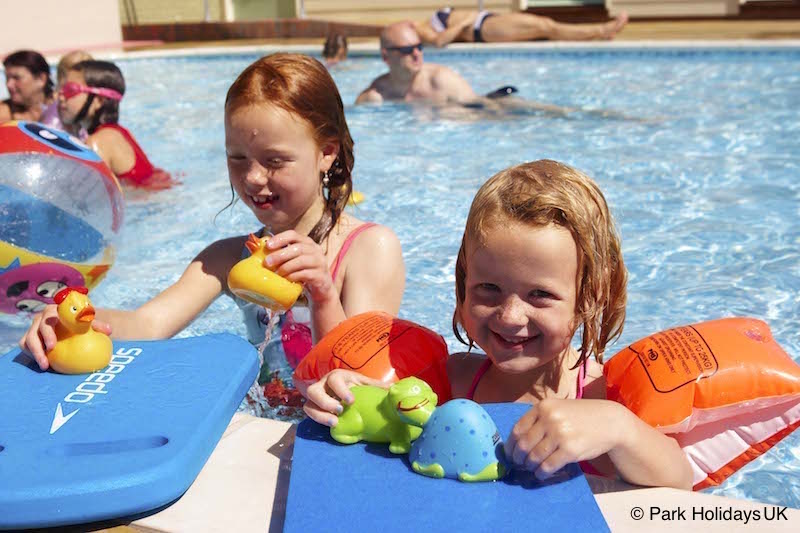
(369, 245)
(108, 142)
(595, 383)
(232, 246)
(108, 131)
(368, 233)
(223, 253)
(461, 370)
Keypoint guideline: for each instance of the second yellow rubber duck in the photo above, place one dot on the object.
(80, 349)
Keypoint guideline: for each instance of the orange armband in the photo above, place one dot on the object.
(382, 347)
(724, 389)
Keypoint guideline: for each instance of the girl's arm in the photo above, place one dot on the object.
(102, 146)
(560, 431)
(645, 456)
(163, 316)
(174, 308)
(113, 149)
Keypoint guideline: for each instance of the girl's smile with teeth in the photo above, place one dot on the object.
(513, 340)
(263, 200)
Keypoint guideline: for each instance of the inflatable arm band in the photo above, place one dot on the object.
(724, 389)
(382, 347)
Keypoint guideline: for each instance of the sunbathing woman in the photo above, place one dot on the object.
(449, 25)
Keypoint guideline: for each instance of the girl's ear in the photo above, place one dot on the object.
(330, 151)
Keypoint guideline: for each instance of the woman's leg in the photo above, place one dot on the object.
(528, 27)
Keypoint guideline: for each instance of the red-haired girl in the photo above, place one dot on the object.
(290, 158)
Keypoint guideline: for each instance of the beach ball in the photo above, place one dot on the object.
(61, 209)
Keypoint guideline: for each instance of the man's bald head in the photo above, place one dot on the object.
(399, 34)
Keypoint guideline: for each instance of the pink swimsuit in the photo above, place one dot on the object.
(296, 336)
(585, 465)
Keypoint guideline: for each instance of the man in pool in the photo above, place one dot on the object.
(411, 79)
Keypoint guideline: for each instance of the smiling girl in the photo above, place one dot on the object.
(541, 259)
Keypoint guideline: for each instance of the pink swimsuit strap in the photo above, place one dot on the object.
(478, 375)
(581, 379)
(346, 246)
(487, 363)
(586, 466)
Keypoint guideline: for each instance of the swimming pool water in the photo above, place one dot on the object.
(704, 186)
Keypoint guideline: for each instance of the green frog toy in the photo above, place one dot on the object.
(395, 415)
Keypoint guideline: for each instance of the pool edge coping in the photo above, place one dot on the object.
(372, 49)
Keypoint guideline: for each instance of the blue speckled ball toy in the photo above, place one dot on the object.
(459, 441)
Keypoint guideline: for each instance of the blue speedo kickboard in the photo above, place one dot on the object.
(364, 487)
(123, 441)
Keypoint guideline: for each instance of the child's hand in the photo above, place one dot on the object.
(298, 258)
(41, 336)
(323, 397)
(556, 432)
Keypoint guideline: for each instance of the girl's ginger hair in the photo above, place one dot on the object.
(301, 85)
(547, 192)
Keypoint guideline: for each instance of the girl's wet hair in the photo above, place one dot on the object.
(547, 192)
(35, 63)
(334, 43)
(101, 74)
(301, 85)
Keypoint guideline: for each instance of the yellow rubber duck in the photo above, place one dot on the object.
(80, 349)
(251, 280)
(356, 198)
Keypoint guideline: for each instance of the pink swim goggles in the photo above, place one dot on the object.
(71, 88)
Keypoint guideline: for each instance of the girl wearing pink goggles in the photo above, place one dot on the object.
(89, 98)
(71, 88)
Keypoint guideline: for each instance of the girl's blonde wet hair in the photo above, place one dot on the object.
(547, 192)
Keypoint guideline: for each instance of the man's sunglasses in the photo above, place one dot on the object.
(405, 50)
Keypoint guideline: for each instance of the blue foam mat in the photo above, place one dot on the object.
(132, 438)
(363, 487)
